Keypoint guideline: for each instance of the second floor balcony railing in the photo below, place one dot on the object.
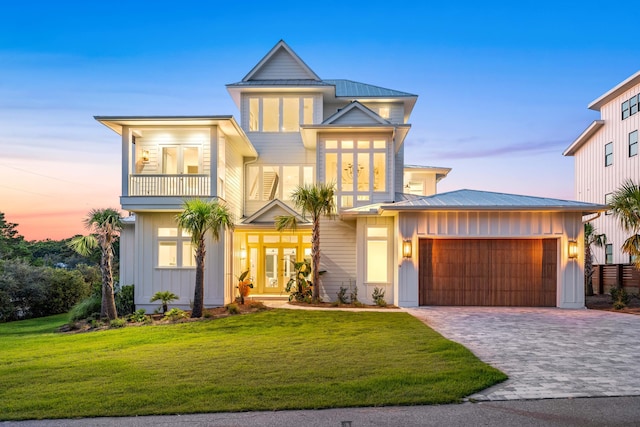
(169, 185)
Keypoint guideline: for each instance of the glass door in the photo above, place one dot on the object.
(278, 268)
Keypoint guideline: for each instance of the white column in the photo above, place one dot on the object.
(126, 159)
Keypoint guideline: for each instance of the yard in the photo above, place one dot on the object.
(272, 360)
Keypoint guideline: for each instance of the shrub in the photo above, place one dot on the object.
(233, 308)
(342, 295)
(353, 297)
(117, 323)
(86, 308)
(258, 305)
(124, 300)
(174, 315)
(165, 297)
(619, 298)
(138, 316)
(299, 286)
(378, 297)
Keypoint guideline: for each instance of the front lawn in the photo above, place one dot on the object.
(272, 360)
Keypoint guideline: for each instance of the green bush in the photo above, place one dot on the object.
(378, 297)
(619, 298)
(342, 295)
(85, 309)
(233, 308)
(118, 323)
(124, 300)
(138, 316)
(174, 315)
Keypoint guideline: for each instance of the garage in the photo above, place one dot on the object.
(488, 272)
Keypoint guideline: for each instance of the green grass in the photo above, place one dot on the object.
(273, 360)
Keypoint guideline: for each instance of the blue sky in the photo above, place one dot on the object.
(503, 88)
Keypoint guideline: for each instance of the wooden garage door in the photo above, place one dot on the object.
(489, 272)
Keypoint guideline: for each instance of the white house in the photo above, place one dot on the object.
(392, 231)
(605, 155)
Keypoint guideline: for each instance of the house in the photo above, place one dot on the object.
(605, 155)
(393, 231)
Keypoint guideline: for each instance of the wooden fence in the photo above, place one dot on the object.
(607, 276)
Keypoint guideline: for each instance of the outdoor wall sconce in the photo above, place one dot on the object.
(406, 248)
(573, 249)
(145, 155)
(243, 254)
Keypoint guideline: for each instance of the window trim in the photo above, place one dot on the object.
(608, 253)
(280, 100)
(633, 145)
(376, 238)
(608, 157)
(607, 201)
(179, 240)
(258, 180)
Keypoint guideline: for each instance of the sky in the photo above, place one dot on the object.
(503, 86)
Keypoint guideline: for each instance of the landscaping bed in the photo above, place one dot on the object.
(604, 302)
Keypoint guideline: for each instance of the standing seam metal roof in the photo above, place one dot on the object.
(344, 88)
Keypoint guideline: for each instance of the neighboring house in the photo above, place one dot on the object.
(606, 154)
(392, 231)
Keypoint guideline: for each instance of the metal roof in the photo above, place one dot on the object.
(486, 200)
(349, 88)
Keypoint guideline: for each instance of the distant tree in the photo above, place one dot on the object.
(625, 205)
(12, 244)
(105, 226)
(315, 201)
(591, 239)
(200, 217)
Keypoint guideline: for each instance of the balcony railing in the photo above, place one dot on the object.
(169, 185)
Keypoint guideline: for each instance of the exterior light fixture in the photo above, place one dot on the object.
(406, 249)
(243, 253)
(573, 249)
(145, 155)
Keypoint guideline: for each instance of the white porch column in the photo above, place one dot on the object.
(213, 161)
(126, 159)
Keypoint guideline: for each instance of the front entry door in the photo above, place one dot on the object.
(278, 268)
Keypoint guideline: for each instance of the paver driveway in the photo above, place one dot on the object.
(547, 352)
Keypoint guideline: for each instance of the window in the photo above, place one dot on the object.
(276, 182)
(608, 254)
(279, 114)
(358, 167)
(377, 255)
(180, 159)
(633, 143)
(631, 106)
(608, 198)
(175, 248)
(608, 154)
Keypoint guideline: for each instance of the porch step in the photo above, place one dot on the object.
(267, 297)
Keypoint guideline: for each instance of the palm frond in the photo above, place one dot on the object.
(286, 222)
(83, 245)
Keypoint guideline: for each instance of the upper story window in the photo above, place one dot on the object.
(358, 166)
(608, 154)
(630, 106)
(633, 143)
(608, 199)
(608, 253)
(180, 159)
(279, 113)
(276, 182)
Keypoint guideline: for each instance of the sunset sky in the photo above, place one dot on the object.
(503, 87)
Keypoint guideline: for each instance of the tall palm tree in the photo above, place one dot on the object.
(625, 205)
(199, 217)
(591, 238)
(316, 201)
(105, 226)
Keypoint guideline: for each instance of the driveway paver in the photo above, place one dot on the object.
(546, 352)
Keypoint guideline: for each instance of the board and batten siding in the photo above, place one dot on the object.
(337, 257)
(149, 279)
(234, 178)
(563, 226)
(127, 253)
(593, 180)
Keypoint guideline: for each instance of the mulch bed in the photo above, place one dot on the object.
(336, 305)
(603, 302)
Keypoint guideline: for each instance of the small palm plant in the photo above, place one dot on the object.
(165, 297)
(244, 286)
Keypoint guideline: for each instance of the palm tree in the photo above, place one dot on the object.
(200, 217)
(625, 205)
(165, 297)
(315, 201)
(591, 238)
(105, 226)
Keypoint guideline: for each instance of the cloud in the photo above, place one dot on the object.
(487, 150)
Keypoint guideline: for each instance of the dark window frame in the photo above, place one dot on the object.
(608, 253)
(607, 201)
(633, 145)
(608, 157)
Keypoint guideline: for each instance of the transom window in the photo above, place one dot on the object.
(633, 143)
(175, 248)
(276, 182)
(358, 166)
(279, 113)
(608, 154)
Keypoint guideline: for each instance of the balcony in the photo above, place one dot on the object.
(163, 185)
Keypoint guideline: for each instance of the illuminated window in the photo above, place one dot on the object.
(276, 182)
(279, 114)
(175, 248)
(377, 255)
(359, 169)
(384, 112)
(254, 115)
(270, 114)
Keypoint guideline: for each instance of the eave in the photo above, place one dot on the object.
(616, 91)
(583, 138)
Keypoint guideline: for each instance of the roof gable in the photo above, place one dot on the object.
(268, 213)
(281, 63)
(355, 114)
